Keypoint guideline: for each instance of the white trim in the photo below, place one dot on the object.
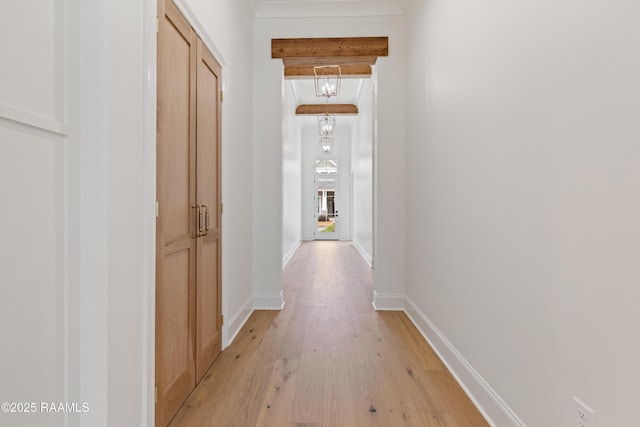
(363, 253)
(374, 161)
(349, 10)
(249, 11)
(347, 21)
(253, 6)
(32, 120)
(268, 301)
(488, 402)
(150, 13)
(93, 185)
(231, 328)
(287, 257)
(69, 24)
(388, 302)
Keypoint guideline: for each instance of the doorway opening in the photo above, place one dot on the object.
(326, 210)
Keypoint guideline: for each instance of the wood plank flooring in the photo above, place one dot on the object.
(328, 359)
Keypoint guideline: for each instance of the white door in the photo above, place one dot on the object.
(326, 213)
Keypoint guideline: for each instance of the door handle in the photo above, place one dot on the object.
(202, 220)
(206, 219)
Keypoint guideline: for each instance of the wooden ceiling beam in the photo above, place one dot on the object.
(329, 47)
(333, 109)
(329, 60)
(347, 71)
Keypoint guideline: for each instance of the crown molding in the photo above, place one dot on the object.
(335, 21)
(266, 9)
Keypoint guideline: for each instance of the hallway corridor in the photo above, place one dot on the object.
(328, 359)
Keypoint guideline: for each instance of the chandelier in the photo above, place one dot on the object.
(327, 79)
(326, 144)
(326, 125)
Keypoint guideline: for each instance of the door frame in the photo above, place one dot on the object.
(320, 235)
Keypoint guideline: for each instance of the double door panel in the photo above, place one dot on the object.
(188, 235)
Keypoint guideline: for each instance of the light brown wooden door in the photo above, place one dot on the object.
(175, 225)
(208, 294)
(188, 227)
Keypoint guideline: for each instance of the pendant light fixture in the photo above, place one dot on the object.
(327, 79)
(326, 125)
(326, 144)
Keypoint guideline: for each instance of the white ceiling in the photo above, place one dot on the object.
(304, 93)
(303, 89)
(326, 8)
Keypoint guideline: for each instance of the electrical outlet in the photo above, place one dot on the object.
(585, 415)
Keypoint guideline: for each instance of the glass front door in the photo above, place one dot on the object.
(326, 209)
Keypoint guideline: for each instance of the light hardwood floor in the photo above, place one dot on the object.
(328, 359)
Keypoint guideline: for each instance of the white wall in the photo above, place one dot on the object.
(226, 28)
(362, 168)
(342, 145)
(309, 139)
(389, 182)
(56, 148)
(342, 155)
(522, 199)
(291, 177)
(107, 240)
(32, 188)
(126, 212)
(77, 147)
(267, 176)
(268, 145)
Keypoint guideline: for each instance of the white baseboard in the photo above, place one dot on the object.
(235, 323)
(367, 257)
(388, 302)
(287, 257)
(268, 301)
(494, 409)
